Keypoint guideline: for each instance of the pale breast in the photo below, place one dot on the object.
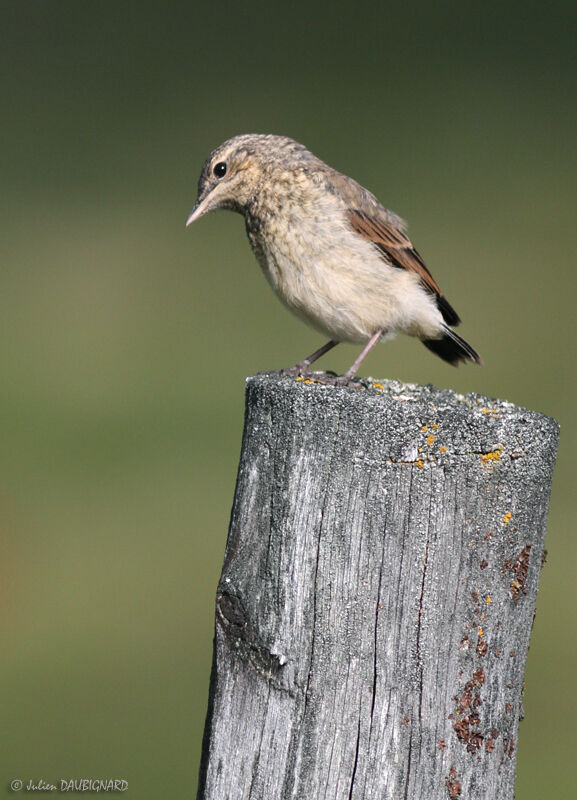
(333, 278)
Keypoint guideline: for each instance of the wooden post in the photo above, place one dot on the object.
(377, 595)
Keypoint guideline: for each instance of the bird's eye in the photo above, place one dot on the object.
(220, 169)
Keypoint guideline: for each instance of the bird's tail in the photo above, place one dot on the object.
(452, 348)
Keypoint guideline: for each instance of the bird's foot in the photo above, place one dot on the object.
(331, 379)
(291, 372)
(328, 378)
(300, 370)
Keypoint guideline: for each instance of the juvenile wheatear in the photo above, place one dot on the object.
(332, 253)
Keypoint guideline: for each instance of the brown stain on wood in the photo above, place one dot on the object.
(467, 722)
(453, 785)
(520, 568)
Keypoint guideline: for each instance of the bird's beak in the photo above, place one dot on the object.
(202, 205)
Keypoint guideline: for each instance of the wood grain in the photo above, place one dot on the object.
(376, 601)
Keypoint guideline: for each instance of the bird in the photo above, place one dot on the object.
(334, 255)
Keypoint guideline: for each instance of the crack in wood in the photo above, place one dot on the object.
(356, 760)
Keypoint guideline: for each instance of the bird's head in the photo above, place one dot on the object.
(233, 173)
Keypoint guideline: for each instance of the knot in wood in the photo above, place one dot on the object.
(231, 611)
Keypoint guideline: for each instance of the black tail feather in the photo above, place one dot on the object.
(452, 348)
(449, 314)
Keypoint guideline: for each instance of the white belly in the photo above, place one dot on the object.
(339, 283)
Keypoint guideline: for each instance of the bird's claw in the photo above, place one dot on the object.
(321, 377)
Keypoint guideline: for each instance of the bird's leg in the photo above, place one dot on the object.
(302, 367)
(352, 370)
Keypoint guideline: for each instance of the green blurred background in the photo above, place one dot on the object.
(126, 338)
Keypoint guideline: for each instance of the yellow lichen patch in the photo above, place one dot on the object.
(488, 599)
(378, 385)
(435, 426)
(442, 449)
(420, 463)
(424, 429)
(488, 459)
(491, 411)
(300, 378)
(430, 439)
(507, 518)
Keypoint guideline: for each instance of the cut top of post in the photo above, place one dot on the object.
(428, 423)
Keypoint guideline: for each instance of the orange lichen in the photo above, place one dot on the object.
(430, 439)
(442, 449)
(488, 459)
(507, 518)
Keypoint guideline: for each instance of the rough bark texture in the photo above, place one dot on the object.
(377, 596)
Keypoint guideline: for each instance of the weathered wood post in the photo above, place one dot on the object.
(376, 600)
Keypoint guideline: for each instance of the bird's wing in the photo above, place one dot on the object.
(398, 251)
(394, 244)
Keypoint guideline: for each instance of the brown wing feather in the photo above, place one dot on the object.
(399, 252)
(394, 244)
